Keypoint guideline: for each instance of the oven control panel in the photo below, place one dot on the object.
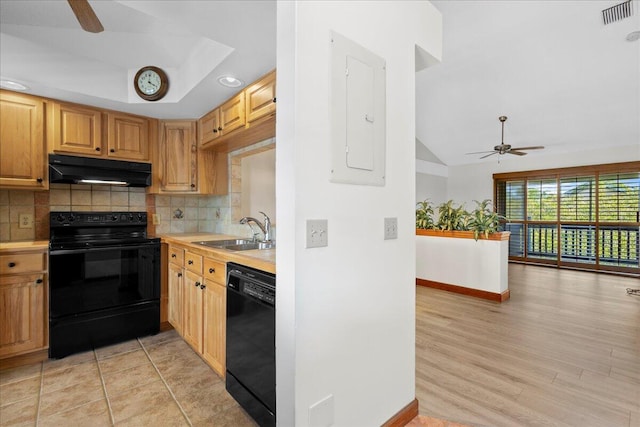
(75, 219)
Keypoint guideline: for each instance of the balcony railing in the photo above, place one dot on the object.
(617, 246)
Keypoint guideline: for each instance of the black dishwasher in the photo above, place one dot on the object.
(251, 326)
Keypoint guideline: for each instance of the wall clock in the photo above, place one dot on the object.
(151, 83)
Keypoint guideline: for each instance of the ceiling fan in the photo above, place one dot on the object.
(503, 148)
(86, 16)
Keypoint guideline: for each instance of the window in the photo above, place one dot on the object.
(586, 217)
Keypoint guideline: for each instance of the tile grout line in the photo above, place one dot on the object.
(104, 389)
(40, 393)
(173, 396)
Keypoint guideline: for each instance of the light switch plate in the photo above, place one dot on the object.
(25, 221)
(321, 413)
(317, 233)
(390, 228)
(155, 219)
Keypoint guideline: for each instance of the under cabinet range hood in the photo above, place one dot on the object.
(86, 170)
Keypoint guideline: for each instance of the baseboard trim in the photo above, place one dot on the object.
(403, 416)
(165, 326)
(24, 359)
(477, 293)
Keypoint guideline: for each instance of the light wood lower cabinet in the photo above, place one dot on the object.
(175, 288)
(23, 303)
(197, 303)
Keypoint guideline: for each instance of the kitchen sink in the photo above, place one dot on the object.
(251, 245)
(222, 243)
(237, 244)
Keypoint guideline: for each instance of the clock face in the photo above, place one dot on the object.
(151, 83)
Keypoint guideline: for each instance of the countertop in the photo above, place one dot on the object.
(29, 245)
(262, 259)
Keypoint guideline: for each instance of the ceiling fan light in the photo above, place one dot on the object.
(230, 81)
(11, 85)
(633, 36)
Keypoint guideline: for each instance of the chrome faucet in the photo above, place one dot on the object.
(266, 228)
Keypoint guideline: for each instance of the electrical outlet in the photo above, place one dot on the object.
(317, 233)
(390, 228)
(25, 221)
(155, 219)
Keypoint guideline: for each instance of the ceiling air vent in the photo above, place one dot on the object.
(617, 12)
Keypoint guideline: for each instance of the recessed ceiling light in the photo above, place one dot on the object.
(8, 84)
(230, 81)
(633, 36)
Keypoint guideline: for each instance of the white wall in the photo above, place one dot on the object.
(345, 314)
(259, 184)
(432, 188)
(475, 181)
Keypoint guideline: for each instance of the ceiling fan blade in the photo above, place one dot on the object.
(482, 152)
(535, 147)
(484, 157)
(517, 153)
(86, 16)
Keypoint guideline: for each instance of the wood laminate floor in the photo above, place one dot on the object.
(563, 351)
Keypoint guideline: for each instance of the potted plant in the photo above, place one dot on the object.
(424, 215)
(483, 220)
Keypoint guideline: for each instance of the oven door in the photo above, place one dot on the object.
(92, 279)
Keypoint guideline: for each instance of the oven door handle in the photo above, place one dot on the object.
(53, 252)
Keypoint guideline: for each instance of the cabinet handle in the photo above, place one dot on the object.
(97, 148)
(190, 262)
(197, 284)
(212, 270)
(202, 286)
(193, 186)
(39, 281)
(274, 100)
(219, 128)
(179, 274)
(112, 151)
(215, 131)
(173, 255)
(12, 264)
(39, 180)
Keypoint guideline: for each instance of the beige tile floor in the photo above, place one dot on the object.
(153, 381)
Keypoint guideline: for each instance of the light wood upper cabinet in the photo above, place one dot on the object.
(209, 128)
(23, 302)
(260, 98)
(181, 167)
(232, 115)
(76, 129)
(127, 137)
(177, 166)
(23, 162)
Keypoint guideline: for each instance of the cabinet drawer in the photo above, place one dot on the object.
(214, 270)
(193, 262)
(22, 263)
(176, 255)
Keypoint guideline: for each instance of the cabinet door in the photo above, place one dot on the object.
(209, 128)
(22, 318)
(178, 169)
(127, 137)
(175, 289)
(232, 114)
(22, 144)
(76, 129)
(192, 309)
(215, 308)
(260, 98)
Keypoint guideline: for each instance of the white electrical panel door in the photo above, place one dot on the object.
(358, 114)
